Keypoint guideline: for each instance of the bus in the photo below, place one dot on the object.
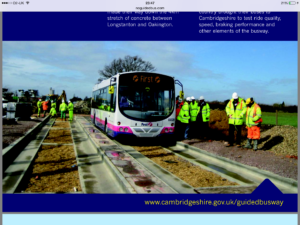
(140, 104)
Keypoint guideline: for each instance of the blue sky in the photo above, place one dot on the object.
(266, 71)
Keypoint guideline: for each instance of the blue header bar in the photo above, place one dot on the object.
(149, 26)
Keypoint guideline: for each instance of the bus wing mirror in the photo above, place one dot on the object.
(111, 89)
(181, 94)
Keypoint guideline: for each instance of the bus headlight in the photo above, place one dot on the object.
(121, 129)
(119, 123)
(172, 124)
(166, 130)
(126, 129)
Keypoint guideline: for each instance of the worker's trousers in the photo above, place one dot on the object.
(63, 114)
(238, 129)
(70, 115)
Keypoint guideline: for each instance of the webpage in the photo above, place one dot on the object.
(173, 109)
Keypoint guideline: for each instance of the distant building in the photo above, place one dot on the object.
(52, 92)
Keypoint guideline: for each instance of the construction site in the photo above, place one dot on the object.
(49, 155)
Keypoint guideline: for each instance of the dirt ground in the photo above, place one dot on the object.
(59, 136)
(188, 172)
(54, 170)
(16, 130)
(58, 124)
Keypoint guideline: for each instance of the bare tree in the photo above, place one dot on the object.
(127, 64)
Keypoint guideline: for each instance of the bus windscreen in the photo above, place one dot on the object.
(146, 96)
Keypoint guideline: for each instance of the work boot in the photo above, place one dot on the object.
(248, 145)
(255, 143)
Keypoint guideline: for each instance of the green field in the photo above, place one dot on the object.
(283, 118)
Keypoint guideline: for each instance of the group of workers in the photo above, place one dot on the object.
(63, 108)
(193, 119)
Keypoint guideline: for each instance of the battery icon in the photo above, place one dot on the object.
(292, 3)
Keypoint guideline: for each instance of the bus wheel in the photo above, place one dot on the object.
(169, 141)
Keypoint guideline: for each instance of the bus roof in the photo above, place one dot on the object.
(106, 82)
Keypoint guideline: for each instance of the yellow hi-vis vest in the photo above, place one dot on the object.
(205, 112)
(237, 114)
(63, 107)
(193, 111)
(184, 114)
(70, 107)
(253, 115)
(39, 104)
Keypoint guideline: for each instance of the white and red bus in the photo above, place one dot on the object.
(142, 105)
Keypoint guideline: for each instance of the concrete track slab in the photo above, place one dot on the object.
(135, 174)
(17, 170)
(95, 175)
(234, 169)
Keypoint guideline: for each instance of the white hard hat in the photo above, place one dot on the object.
(62, 101)
(201, 98)
(40, 100)
(192, 98)
(235, 95)
(188, 99)
(51, 100)
(69, 101)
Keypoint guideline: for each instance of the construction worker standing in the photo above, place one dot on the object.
(63, 109)
(53, 104)
(52, 112)
(235, 110)
(178, 127)
(184, 117)
(253, 123)
(203, 116)
(70, 108)
(179, 105)
(45, 107)
(193, 114)
(39, 106)
(187, 125)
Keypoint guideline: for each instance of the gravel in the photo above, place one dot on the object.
(186, 171)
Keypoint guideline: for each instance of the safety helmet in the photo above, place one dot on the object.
(69, 101)
(52, 101)
(40, 100)
(201, 98)
(192, 98)
(235, 95)
(249, 100)
(188, 99)
(62, 101)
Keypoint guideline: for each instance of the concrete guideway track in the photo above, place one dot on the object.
(233, 170)
(247, 177)
(107, 166)
(134, 176)
(95, 175)
(18, 169)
